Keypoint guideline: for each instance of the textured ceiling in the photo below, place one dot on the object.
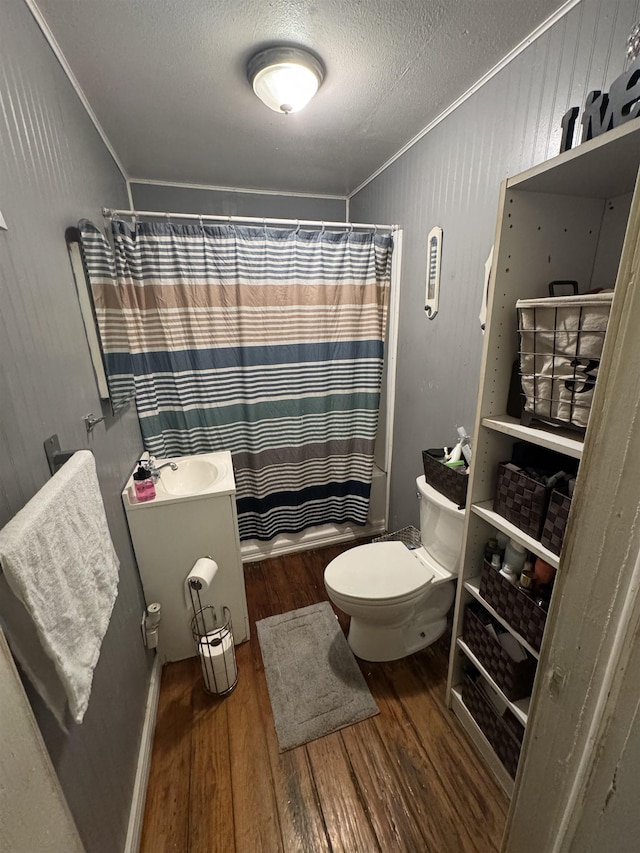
(166, 79)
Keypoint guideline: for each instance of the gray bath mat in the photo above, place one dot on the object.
(314, 682)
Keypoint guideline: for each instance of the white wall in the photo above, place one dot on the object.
(178, 199)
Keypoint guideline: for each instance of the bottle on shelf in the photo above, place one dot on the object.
(502, 543)
(527, 582)
(515, 555)
(491, 548)
(544, 572)
(509, 573)
(543, 579)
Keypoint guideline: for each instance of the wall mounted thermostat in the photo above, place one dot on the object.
(432, 292)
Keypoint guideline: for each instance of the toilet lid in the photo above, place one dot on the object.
(380, 570)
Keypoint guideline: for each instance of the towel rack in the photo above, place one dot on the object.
(56, 457)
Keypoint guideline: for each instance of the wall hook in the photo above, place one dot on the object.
(90, 422)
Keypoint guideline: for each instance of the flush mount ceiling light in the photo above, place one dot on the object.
(285, 78)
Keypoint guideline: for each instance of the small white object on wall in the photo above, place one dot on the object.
(3, 224)
(150, 622)
(485, 290)
(434, 253)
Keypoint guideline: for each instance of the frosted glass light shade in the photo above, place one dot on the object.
(285, 79)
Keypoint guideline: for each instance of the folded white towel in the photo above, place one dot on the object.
(59, 561)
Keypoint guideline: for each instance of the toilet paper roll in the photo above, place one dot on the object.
(153, 616)
(218, 662)
(204, 570)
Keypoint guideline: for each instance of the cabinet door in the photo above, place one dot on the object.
(168, 539)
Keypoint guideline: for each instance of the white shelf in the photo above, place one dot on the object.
(485, 510)
(561, 440)
(473, 587)
(603, 167)
(520, 709)
(480, 742)
(554, 222)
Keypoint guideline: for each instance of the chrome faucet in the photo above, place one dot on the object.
(155, 470)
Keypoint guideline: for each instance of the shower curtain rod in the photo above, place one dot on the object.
(110, 213)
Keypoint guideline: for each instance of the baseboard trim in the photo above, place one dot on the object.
(136, 815)
(315, 537)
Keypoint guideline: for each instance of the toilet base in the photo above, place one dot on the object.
(378, 643)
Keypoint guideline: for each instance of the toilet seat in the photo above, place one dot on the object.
(378, 573)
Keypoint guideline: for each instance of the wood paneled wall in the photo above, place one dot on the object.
(176, 199)
(54, 170)
(451, 178)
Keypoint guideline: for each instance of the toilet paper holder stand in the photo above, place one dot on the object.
(213, 638)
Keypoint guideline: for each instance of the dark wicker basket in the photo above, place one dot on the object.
(451, 482)
(514, 605)
(521, 499)
(556, 521)
(514, 678)
(503, 733)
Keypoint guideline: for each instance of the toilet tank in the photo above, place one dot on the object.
(441, 524)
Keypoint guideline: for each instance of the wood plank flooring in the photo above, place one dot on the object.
(405, 780)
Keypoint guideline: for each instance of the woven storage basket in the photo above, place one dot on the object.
(514, 678)
(504, 736)
(555, 523)
(451, 482)
(514, 605)
(520, 499)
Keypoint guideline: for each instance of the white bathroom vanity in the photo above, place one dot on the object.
(193, 515)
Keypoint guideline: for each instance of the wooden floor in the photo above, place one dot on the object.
(405, 780)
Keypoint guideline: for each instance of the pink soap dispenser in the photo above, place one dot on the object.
(143, 483)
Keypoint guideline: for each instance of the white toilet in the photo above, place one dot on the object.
(398, 597)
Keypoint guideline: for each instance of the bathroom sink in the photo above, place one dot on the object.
(196, 477)
(191, 477)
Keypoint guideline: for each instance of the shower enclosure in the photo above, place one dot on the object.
(265, 341)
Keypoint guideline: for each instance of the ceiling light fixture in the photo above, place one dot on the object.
(285, 78)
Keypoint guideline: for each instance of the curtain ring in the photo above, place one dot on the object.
(351, 228)
(323, 226)
(297, 226)
(200, 221)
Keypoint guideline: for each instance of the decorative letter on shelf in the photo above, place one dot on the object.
(604, 111)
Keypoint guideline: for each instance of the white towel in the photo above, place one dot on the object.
(59, 561)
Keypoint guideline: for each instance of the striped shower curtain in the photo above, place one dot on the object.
(264, 342)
